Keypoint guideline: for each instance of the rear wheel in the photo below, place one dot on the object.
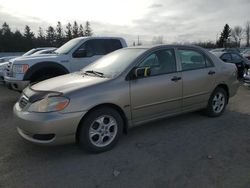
(217, 102)
(100, 130)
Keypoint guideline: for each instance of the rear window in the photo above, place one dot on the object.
(226, 57)
(112, 45)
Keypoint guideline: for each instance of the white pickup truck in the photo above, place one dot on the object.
(71, 57)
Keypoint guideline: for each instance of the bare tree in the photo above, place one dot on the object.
(157, 40)
(247, 33)
(237, 34)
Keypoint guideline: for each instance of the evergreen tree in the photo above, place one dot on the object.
(23, 41)
(75, 30)
(28, 38)
(28, 34)
(19, 39)
(88, 30)
(5, 37)
(51, 36)
(224, 37)
(40, 34)
(81, 31)
(68, 32)
(5, 29)
(59, 34)
(41, 39)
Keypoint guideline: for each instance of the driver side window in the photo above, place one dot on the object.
(91, 48)
(160, 62)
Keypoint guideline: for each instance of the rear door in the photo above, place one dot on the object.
(198, 75)
(160, 93)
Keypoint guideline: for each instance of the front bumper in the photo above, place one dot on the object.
(17, 85)
(47, 128)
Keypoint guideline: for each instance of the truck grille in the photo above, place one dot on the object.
(23, 101)
(8, 69)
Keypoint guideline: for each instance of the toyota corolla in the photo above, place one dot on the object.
(126, 88)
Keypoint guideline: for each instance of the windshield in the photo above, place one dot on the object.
(64, 49)
(115, 63)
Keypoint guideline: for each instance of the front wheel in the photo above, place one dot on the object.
(100, 130)
(217, 103)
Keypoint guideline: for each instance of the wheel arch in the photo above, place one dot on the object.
(44, 65)
(225, 87)
(114, 106)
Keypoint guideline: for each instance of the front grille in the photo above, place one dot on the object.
(23, 101)
(8, 69)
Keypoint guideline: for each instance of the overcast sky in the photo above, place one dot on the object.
(176, 21)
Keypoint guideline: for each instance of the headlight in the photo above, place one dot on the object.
(49, 104)
(20, 68)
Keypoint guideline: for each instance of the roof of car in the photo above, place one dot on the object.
(99, 37)
(218, 54)
(165, 45)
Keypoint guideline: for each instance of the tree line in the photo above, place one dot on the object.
(231, 37)
(17, 41)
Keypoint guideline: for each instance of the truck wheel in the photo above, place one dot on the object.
(217, 103)
(100, 130)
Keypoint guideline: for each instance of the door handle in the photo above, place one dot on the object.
(176, 78)
(211, 72)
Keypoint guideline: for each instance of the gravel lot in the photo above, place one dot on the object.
(186, 151)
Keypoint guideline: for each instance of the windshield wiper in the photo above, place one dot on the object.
(96, 73)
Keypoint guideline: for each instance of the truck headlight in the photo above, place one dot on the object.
(20, 68)
(49, 104)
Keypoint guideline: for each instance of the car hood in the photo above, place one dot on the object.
(37, 57)
(4, 64)
(68, 83)
(7, 58)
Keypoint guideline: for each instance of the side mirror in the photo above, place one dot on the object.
(80, 53)
(142, 72)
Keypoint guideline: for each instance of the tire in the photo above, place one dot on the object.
(97, 134)
(217, 103)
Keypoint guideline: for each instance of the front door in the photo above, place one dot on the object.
(159, 94)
